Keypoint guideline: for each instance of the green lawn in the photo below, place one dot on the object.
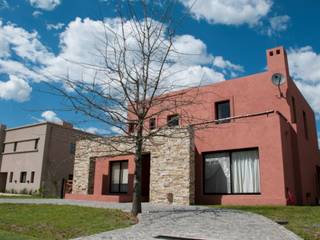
(30, 222)
(302, 220)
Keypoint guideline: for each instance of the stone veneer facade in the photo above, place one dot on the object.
(172, 165)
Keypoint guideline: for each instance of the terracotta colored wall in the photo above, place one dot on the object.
(102, 178)
(287, 159)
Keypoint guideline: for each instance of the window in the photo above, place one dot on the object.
(131, 127)
(36, 143)
(278, 51)
(119, 177)
(11, 177)
(3, 147)
(294, 111)
(234, 172)
(305, 124)
(72, 148)
(223, 111)
(15, 145)
(271, 53)
(173, 120)
(32, 177)
(23, 177)
(152, 123)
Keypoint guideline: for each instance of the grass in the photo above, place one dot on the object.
(302, 220)
(31, 222)
(20, 196)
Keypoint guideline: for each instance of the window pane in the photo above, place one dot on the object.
(124, 173)
(173, 120)
(217, 173)
(223, 110)
(245, 172)
(115, 177)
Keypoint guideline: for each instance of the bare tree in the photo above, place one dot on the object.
(134, 81)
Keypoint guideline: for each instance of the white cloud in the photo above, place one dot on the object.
(229, 12)
(80, 43)
(304, 66)
(226, 66)
(45, 4)
(57, 26)
(15, 89)
(37, 14)
(50, 116)
(277, 24)
(99, 131)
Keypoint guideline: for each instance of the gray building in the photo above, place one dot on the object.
(37, 158)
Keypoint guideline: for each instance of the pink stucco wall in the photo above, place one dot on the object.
(287, 159)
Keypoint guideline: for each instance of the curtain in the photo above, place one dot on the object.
(115, 177)
(217, 173)
(245, 172)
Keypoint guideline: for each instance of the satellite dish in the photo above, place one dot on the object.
(278, 79)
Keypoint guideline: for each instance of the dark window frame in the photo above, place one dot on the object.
(23, 178)
(120, 177)
(171, 120)
(11, 177)
(216, 106)
(230, 151)
(152, 123)
(32, 177)
(305, 125)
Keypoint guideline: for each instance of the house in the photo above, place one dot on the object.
(253, 141)
(37, 158)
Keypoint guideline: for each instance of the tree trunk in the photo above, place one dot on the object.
(136, 202)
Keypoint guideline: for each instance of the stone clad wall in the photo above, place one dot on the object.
(171, 165)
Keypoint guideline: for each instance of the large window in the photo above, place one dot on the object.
(235, 172)
(119, 177)
(223, 111)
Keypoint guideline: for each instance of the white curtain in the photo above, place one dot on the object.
(245, 172)
(217, 173)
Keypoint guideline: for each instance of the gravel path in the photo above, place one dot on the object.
(182, 222)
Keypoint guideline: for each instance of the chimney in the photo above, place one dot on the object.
(277, 61)
(67, 125)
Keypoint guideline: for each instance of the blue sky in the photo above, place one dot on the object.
(232, 37)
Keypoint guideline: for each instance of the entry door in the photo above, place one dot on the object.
(3, 181)
(145, 177)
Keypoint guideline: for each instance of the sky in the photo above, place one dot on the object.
(229, 36)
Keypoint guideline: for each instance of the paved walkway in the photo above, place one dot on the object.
(180, 222)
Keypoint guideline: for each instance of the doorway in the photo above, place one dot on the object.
(145, 177)
(3, 182)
